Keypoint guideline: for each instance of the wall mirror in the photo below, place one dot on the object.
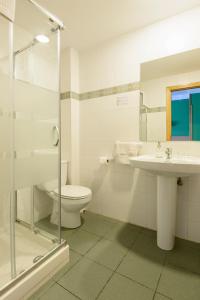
(170, 98)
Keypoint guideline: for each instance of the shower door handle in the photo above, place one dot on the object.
(56, 136)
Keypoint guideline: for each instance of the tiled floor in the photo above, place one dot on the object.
(110, 260)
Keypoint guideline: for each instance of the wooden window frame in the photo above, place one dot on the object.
(171, 89)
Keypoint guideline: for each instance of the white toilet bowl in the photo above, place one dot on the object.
(73, 199)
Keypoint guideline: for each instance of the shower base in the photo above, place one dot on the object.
(31, 248)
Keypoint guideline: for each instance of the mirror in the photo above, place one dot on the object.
(170, 98)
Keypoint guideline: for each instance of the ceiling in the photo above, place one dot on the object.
(90, 22)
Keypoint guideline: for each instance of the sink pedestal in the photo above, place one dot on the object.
(166, 211)
(167, 172)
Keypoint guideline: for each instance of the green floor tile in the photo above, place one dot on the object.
(144, 262)
(124, 234)
(81, 241)
(149, 232)
(179, 284)
(96, 224)
(91, 276)
(161, 297)
(86, 279)
(185, 255)
(186, 244)
(57, 292)
(107, 253)
(114, 221)
(119, 288)
(67, 232)
(146, 246)
(142, 269)
(73, 259)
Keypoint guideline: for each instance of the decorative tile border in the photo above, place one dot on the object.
(110, 91)
(69, 95)
(146, 109)
(103, 92)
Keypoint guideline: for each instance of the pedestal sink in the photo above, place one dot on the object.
(167, 171)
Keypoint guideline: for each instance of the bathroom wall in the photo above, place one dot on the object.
(118, 190)
(102, 122)
(117, 61)
(70, 137)
(70, 112)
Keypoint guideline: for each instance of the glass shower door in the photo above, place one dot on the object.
(29, 140)
(36, 141)
(6, 239)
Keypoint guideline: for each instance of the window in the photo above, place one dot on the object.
(183, 113)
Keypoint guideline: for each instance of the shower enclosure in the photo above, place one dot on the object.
(29, 139)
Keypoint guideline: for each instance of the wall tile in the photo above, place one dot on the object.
(194, 231)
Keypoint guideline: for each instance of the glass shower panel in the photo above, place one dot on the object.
(36, 101)
(5, 151)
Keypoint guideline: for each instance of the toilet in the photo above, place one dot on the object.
(73, 199)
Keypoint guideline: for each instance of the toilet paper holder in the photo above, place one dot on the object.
(105, 160)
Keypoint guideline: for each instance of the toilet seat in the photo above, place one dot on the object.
(73, 192)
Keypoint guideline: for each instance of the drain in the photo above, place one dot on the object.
(37, 258)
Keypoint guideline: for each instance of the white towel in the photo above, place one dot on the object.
(7, 8)
(127, 148)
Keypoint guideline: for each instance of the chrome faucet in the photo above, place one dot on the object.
(168, 153)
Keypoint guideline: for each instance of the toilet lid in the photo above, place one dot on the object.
(74, 191)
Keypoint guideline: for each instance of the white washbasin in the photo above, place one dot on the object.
(177, 166)
(167, 171)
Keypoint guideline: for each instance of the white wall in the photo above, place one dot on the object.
(70, 113)
(117, 61)
(119, 191)
(69, 70)
(70, 137)
(103, 122)
(65, 129)
(65, 79)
